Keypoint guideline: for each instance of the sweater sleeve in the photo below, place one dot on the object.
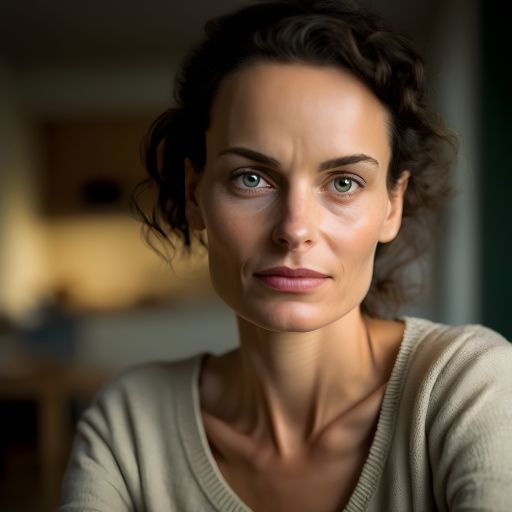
(470, 434)
(95, 478)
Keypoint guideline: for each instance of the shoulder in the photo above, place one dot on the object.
(150, 376)
(461, 408)
(422, 329)
(141, 392)
(455, 368)
(437, 348)
(444, 366)
(131, 426)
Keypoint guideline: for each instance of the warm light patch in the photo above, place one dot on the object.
(103, 263)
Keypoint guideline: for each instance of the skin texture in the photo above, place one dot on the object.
(290, 415)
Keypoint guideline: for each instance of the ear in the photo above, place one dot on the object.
(393, 219)
(193, 211)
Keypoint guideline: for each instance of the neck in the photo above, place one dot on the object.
(290, 386)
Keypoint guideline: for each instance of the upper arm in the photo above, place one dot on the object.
(95, 478)
(470, 438)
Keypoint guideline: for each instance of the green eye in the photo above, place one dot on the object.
(343, 184)
(251, 180)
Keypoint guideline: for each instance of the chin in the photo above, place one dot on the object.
(290, 317)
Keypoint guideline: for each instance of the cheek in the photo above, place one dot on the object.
(353, 232)
(234, 228)
(354, 238)
(236, 233)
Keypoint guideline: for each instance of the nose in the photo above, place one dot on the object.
(296, 225)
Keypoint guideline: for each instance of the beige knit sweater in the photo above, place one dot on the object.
(443, 439)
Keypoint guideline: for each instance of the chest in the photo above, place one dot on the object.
(319, 488)
(323, 482)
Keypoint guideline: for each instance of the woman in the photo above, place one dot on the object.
(302, 148)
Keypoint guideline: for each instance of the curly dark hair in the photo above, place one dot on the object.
(334, 33)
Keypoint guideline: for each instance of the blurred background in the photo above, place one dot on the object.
(82, 296)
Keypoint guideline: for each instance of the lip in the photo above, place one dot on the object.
(289, 280)
(290, 272)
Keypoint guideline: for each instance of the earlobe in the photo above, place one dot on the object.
(192, 208)
(394, 215)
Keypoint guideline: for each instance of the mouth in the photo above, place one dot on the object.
(289, 280)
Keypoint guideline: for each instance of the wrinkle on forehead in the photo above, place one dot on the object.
(298, 111)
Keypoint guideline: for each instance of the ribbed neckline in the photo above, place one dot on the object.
(203, 463)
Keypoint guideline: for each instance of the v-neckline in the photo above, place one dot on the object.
(209, 476)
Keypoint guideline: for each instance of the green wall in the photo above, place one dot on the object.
(496, 168)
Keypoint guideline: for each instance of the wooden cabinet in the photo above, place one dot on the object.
(91, 165)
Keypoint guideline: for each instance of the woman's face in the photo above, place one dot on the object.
(295, 178)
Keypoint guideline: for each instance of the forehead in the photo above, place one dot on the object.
(298, 107)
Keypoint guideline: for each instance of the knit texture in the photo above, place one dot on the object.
(443, 439)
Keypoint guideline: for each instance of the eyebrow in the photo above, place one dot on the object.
(329, 164)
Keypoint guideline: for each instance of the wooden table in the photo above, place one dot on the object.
(51, 385)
